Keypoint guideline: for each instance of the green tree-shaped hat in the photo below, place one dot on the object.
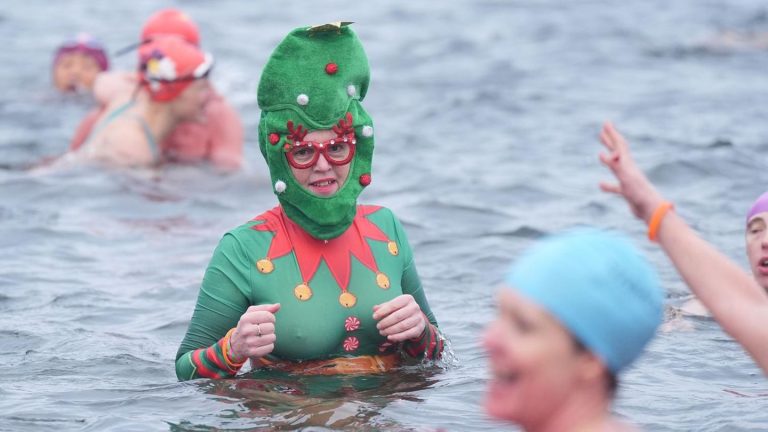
(315, 79)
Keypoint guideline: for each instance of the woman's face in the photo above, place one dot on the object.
(757, 247)
(190, 104)
(534, 362)
(75, 71)
(322, 179)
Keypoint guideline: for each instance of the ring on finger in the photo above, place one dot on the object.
(258, 330)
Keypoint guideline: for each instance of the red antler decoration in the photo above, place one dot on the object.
(344, 127)
(296, 135)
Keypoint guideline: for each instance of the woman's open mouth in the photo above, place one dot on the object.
(762, 266)
(326, 186)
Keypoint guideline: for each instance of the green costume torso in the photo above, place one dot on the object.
(326, 289)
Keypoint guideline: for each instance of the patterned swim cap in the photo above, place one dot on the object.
(169, 64)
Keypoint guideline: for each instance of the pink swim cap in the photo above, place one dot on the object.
(86, 44)
(760, 205)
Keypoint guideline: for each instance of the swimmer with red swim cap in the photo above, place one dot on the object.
(173, 88)
(216, 136)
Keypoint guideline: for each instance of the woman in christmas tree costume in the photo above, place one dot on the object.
(319, 284)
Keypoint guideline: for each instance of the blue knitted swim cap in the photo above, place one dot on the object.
(598, 286)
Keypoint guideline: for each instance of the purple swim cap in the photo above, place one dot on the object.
(86, 44)
(760, 205)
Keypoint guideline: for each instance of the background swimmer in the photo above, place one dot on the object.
(736, 300)
(77, 62)
(756, 246)
(559, 340)
(217, 136)
(173, 88)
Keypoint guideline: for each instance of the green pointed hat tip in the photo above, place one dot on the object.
(316, 72)
(333, 26)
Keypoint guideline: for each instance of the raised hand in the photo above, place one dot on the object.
(633, 185)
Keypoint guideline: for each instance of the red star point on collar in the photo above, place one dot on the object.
(337, 253)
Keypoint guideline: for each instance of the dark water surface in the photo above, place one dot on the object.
(486, 120)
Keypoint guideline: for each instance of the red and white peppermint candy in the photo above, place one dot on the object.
(351, 324)
(351, 343)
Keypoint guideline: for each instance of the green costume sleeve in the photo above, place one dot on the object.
(430, 343)
(223, 298)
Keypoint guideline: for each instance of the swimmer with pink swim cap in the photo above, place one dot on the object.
(757, 240)
(737, 301)
(77, 62)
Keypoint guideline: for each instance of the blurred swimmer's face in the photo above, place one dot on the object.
(75, 71)
(322, 178)
(757, 247)
(190, 104)
(535, 365)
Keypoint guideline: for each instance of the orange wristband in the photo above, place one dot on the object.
(227, 356)
(656, 218)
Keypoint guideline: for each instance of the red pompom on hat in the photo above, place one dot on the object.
(171, 22)
(168, 64)
(365, 179)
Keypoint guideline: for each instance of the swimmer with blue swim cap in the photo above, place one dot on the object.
(559, 340)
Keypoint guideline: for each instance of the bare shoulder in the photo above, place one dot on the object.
(113, 85)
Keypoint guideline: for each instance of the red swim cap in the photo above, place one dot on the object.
(168, 64)
(171, 22)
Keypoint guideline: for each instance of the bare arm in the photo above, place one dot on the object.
(736, 301)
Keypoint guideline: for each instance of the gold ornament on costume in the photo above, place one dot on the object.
(302, 292)
(382, 280)
(347, 299)
(265, 265)
(392, 247)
